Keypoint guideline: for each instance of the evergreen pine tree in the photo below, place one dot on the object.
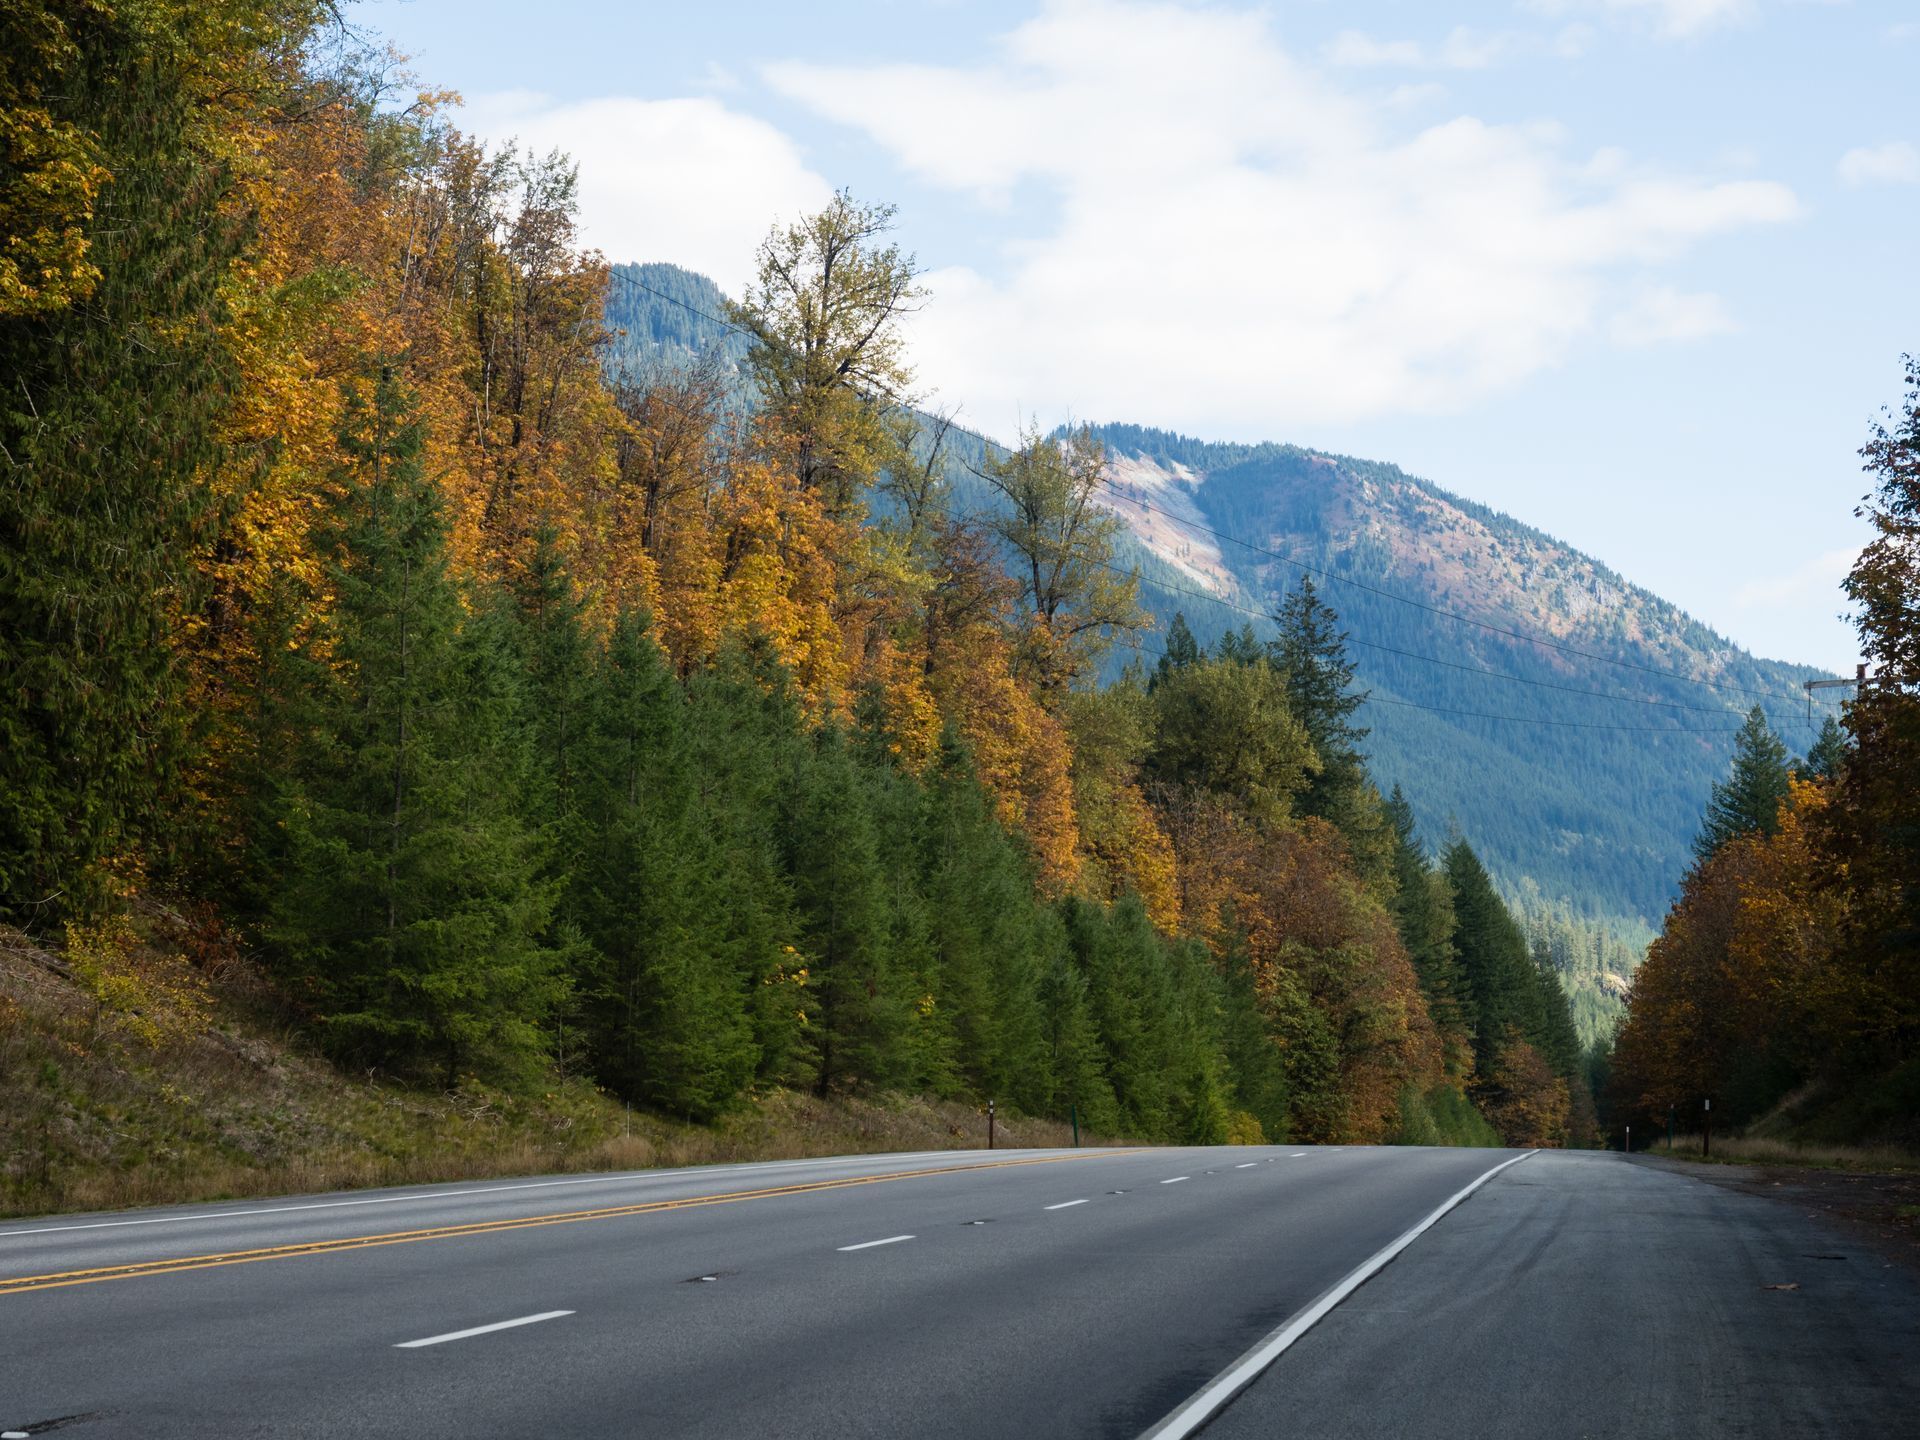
(1749, 798)
(1423, 914)
(108, 409)
(746, 746)
(1181, 649)
(1558, 1042)
(1311, 652)
(558, 660)
(839, 877)
(1255, 1060)
(1502, 987)
(1077, 1062)
(988, 932)
(412, 910)
(665, 988)
(1828, 753)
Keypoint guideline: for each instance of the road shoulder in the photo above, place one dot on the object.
(1586, 1295)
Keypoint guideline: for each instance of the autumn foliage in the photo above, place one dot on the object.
(500, 699)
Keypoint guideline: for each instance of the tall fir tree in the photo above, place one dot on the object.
(1180, 649)
(1311, 652)
(1502, 991)
(108, 416)
(665, 986)
(1827, 754)
(1422, 908)
(412, 913)
(839, 876)
(1748, 800)
(1254, 1055)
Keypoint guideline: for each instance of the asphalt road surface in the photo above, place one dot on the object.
(1023, 1293)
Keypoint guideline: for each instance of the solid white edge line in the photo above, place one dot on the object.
(482, 1329)
(869, 1244)
(607, 1179)
(1064, 1205)
(1212, 1397)
(1175, 1180)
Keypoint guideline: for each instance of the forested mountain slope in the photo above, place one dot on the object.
(1582, 804)
(1597, 807)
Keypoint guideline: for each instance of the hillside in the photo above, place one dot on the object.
(1600, 817)
(125, 1091)
(1584, 819)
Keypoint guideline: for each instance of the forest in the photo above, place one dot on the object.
(528, 707)
(1582, 804)
(1782, 994)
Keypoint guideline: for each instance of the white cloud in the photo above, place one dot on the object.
(1463, 49)
(1662, 314)
(1816, 582)
(1670, 19)
(1211, 234)
(1895, 163)
(683, 180)
(1904, 30)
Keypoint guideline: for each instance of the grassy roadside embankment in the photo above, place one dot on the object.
(150, 1063)
(1771, 1150)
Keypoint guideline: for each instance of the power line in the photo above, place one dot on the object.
(1346, 580)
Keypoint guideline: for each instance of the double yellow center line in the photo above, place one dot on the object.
(22, 1283)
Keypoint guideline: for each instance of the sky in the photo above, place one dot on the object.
(1637, 272)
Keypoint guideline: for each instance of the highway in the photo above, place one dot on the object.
(1025, 1293)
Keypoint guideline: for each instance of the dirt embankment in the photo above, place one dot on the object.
(155, 1065)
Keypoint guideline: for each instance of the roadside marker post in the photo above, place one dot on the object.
(989, 1124)
(1075, 1112)
(1706, 1137)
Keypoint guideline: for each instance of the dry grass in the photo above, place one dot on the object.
(100, 1112)
(1754, 1150)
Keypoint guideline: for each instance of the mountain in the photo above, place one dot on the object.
(1568, 722)
(1618, 709)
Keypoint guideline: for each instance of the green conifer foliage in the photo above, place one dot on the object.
(832, 848)
(1422, 909)
(412, 911)
(558, 658)
(1227, 728)
(107, 416)
(1180, 649)
(1749, 798)
(666, 984)
(1311, 652)
(1253, 1054)
(1502, 992)
(1076, 1060)
(1828, 753)
(989, 934)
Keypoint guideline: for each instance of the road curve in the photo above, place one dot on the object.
(1023, 1293)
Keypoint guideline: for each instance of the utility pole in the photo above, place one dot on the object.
(1859, 682)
